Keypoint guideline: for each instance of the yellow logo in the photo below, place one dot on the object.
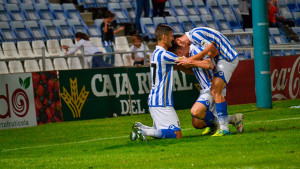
(74, 101)
(197, 86)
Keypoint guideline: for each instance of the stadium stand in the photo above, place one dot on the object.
(60, 64)
(48, 65)
(24, 49)
(15, 67)
(54, 48)
(172, 21)
(31, 66)
(10, 50)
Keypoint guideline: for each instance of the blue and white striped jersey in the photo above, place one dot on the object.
(204, 76)
(162, 62)
(202, 36)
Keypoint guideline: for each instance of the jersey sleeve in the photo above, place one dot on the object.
(204, 37)
(169, 57)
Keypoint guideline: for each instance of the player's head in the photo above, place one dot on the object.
(183, 40)
(179, 50)
(164, 35)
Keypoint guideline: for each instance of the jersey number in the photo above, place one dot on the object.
(153, 72)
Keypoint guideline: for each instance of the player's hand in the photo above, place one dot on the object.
(185, 62)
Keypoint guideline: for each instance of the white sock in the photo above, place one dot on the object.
(231, 119)
(142, 126)
(152, 132)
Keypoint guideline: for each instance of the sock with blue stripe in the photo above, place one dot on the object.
(163, 133)
(221, 109)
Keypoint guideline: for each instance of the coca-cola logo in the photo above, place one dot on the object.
(287, 77)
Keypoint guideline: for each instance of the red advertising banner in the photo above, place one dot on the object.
(46, 97)
(285, 76)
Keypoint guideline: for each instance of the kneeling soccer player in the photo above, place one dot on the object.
(165, 120)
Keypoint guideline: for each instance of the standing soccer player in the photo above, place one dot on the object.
(204, 109)
(226, 58)
(165, 120)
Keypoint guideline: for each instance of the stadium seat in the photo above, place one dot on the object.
(102, 3)
(232, 21)
(66, 32)
(177, 8)
(287, 15)
(57, 11)
(213, 6)
(31, 24)
(80, 28)
(200, 6)
(121, 45)
(169, 10)
(224, 6)
(15, 67)
(72, 22)
(148, 28)
(297, 17)
(292, 5)
(98, 42)
(208, 19)
(52, 32)
(297, 3)
(24, 49)
(43, 11)
(4, 16)
(121, 16)
(8, 35)
(28, 1)
(42, 1)
(186, 24)
(98, 22)
(15, 12)
(43, 23)
(232, 39)
(31, 66)
(54, 48)
(221, 21)
(60, 64)
(190, 8)
(22, 34)
(282, 6)
(71, 11)
(296, 30)
(196, 20)
(29, 11)
(245, 40)
(74, 63)
(10, 50)
(278, 38)
(3, 68)
(172, 21)
(48, 65)
(158, 20)
(127, 6)
(59, 22)
(1, 54)
(94, 31)
(37, 33)
(37, 47)
(88, 3)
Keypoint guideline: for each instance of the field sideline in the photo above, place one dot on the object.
(271, 140)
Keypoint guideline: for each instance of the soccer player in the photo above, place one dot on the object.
(165, 120)
(203, 111)
(226, 58)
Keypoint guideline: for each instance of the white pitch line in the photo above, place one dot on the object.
(110, 138)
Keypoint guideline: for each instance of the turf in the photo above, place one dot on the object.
(271, 140)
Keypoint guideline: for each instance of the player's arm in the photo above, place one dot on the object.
(210, 50)
(204, 64)
(188, 71)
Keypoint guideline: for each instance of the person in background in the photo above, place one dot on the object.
(246, 12)
(138, 49)
(158, 7)
(89, 49)
(280, 22)
(107, 35)
(140, 6)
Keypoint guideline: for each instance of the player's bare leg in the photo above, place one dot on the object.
(217, 87)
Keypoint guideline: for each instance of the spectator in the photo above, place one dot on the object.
(107, 35)
(138, 49)
(140, 6)
(280, 22)
(245, 9)
(89, 49)
(158, 7)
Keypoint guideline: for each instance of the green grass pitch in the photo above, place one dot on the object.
(271, 140)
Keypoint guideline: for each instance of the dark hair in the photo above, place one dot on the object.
(139, 37)
(175, 45)
(81, 35)
(108, 14)
(162, 29)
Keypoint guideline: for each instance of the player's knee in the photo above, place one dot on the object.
(215, 93)
(194, 112)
